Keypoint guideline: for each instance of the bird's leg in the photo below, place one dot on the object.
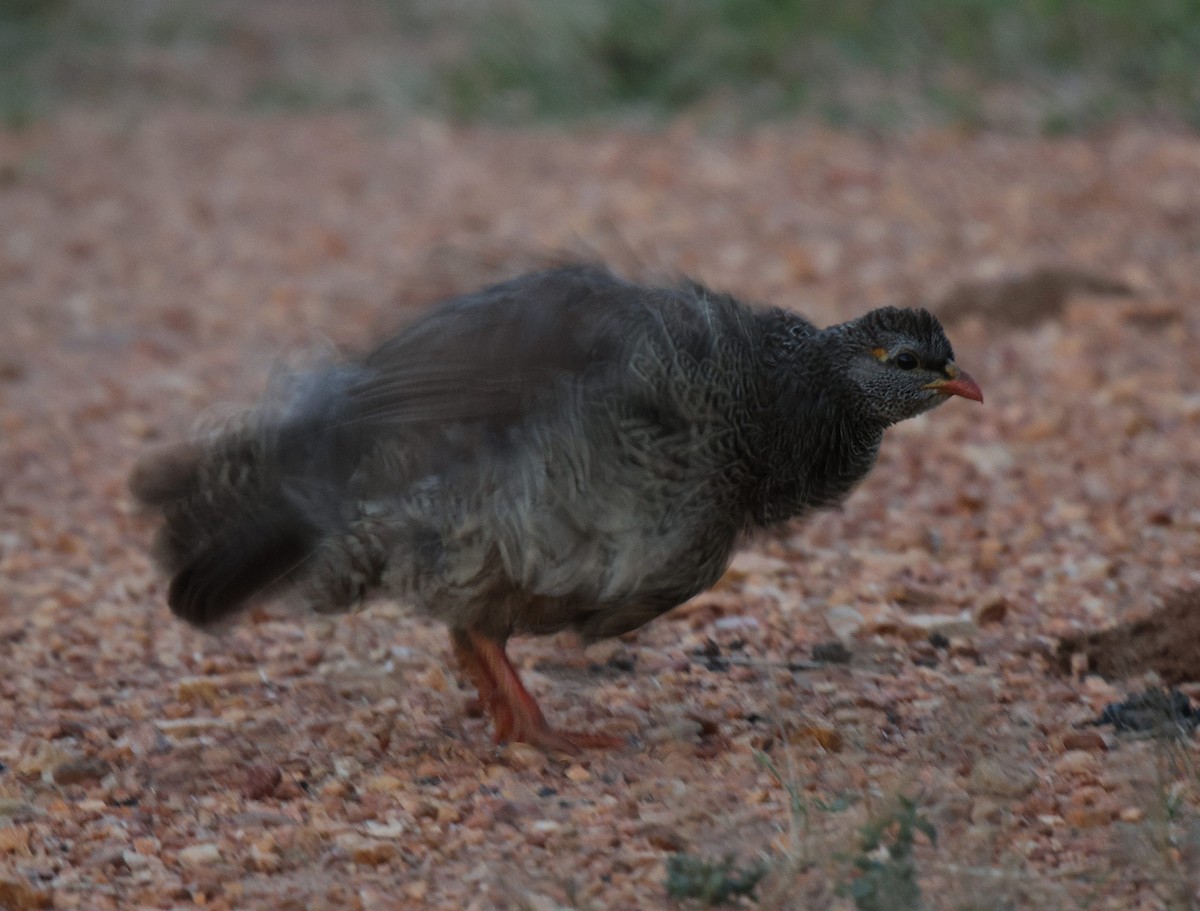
(503, 696)
(473, 666)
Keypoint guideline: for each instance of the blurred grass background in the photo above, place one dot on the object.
(1028, 65)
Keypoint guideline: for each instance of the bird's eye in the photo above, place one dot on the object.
(906, 360)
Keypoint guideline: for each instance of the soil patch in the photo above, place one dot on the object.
(1166, 642)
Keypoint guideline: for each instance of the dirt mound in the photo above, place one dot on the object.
(1028, 299)
(1167, 641)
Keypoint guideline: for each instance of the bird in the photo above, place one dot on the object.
(567, 449)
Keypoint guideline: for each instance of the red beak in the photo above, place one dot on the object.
(958, 382)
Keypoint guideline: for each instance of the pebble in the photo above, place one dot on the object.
(523, 756)
(77, 771)
(986, 812)
(416, 890)
(920, 626)
(384, 784)
(199, 855)
(134, 861)
(827, 738)
(1085, 740)
(993, 610)
(1098, 687)
(14, 840)
(10, 808)
(1001, 779)
(368, 851)
(663, 837)
(385, 830)
(843, 621)
(1089, 817)
(1076, 762)
(16, 895)
(191, 727)
(197, 689)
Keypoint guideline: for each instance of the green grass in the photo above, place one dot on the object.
(25, 29)
(81, 51)
(1073, 64)
(1080, 61)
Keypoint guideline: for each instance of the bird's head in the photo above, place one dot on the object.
(902, 363)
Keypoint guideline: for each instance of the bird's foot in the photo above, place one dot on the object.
(516, 714)
(551, 740)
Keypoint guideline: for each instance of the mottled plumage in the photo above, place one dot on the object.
(563, 450)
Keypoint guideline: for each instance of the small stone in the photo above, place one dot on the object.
(11, 369)
(416, 890)
(1097, 686)
(834, 652)
(17, 895)
(45, 757)
(11, 808)
(434, 678)
(1085, 740)
(1090, 807)
(922, 626)
(183, 728)
(14, 840)
(1089, 817)
(578, 773)
(107, 855)
(1076, 762)
(986, 812)
(77, 771)
(383, 784)
(264, 857)
(385, 829)
(523, 756)
(261, 782)
(367, 851)
(664, 838)
(134, 861)
(1038, 430)
(679, 729)
(199, 855)
(843, 621)
(993, 610)
(1001, 779)
(988, 554)
(197, 690)
(827, 738)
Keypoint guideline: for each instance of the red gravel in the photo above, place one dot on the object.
(153, 270)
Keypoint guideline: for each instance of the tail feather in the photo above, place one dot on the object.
(226, 575)
(231, 532)
(170, 474)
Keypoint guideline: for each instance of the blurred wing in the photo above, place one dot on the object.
(447, 389)
(494, 355)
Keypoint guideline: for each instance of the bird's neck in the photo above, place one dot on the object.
(817, 442)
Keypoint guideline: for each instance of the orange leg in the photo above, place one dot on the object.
(503, 696)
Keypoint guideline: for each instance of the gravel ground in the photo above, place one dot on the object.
(152, 272)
